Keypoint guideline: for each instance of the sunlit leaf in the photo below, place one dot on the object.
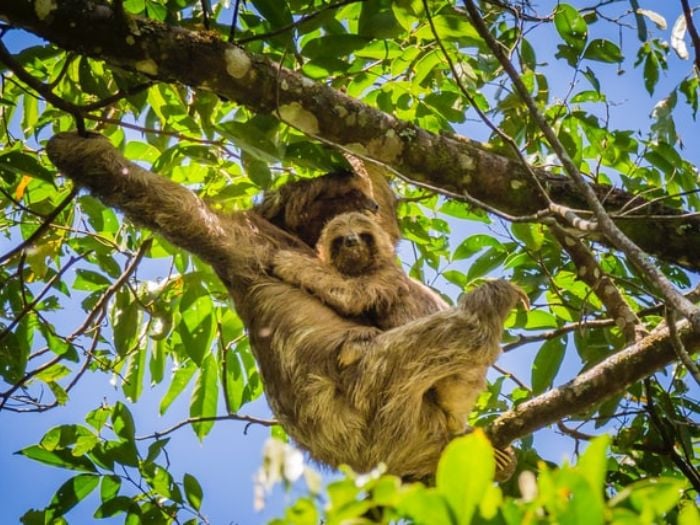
(205, 396)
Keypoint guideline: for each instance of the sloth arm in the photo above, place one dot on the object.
(350, 296)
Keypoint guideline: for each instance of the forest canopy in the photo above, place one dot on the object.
(552, 144)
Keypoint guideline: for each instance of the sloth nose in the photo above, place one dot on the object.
(351, 240)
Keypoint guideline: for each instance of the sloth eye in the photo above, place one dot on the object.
(367, 238)
(336, 244)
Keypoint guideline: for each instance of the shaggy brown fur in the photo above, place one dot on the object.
(304, 207)
(374, 411)
(356, 274)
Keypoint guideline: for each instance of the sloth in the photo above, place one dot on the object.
(375, 411)
(355, 272)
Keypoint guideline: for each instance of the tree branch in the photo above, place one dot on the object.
(606, 379)
(454, 164)
(692, 31)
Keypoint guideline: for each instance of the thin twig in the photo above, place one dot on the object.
(109, 292)
(42, 227)
(234, 22)
(558, 332)
(296, 23)
(45, 90)
(678, 346)
(668, 438)
(250, 420)
(512, 377)
(49, 284)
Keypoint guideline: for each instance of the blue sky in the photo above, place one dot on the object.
(227, 460)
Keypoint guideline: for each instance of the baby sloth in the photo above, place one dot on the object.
(356, 273)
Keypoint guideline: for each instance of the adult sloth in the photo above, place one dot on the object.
(369, 413)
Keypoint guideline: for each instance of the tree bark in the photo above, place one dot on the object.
(452, 164)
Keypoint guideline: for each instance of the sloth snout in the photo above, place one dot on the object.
(351, 240)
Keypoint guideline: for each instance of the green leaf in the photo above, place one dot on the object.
(58, 458)
(133, 379)
(181, 378)
(571, 26)
(20, 163)
(427, 64)
(474, 244)
(205, 396)
(110, 487)
(593, 462)
(197, 326)
(123, 422)
(72, 492)
(651, 72)
(547, 364)
(274, 11)
(451, 27)
(539, 319)
(486, 262)
(134, 6)
(126, 321)
(532, 235)
(689, 514)
(233, 380)
(156, 365)
(603, 51)
(656, 496)
(252, 139)
(424, 506)
(155, 448)
(161, 481)
(98, 417)
(88, 280)
(334, 46)
(85, 443)
(114, 506)
(465, 472)
(193, 491)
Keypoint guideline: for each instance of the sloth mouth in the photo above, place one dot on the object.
(352, 260)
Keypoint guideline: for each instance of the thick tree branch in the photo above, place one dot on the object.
(453, 164)
(606, 379)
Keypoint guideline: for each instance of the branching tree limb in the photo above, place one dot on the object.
(454, 164)
(608, 378)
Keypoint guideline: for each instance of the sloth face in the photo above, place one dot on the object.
(354, 244)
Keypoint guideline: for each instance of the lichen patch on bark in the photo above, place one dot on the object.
(300, 118)
(237, 62)
(386, 148)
